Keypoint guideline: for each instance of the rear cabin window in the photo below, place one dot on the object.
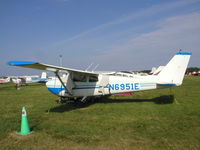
(93, 79)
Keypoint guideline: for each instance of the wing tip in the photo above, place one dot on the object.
(19, 63)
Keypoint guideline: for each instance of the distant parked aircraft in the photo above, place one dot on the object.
(156, 71)
(81, 85)
(4, 79)
(29, 79)
(196, 73)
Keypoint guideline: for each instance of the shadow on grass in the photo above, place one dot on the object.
(166, 99)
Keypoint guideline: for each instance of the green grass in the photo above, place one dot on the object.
(157, 119)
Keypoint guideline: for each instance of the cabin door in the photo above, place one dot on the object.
(103, 83)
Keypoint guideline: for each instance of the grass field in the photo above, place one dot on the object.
(159, 119)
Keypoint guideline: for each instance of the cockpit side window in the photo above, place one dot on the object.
(79, 78)
(93, 78)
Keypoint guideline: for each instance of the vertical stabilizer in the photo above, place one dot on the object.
(174, 71)
(44, 75)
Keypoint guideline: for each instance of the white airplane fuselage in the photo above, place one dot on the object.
(115, 84)
(4, 80)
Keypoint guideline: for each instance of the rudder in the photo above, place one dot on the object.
(174, 71)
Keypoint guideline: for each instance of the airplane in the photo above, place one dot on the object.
(72, 84)
(4, 79)
(156, 71)
(29, 79)
(194, 73)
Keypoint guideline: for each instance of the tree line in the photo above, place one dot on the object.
(189, 69)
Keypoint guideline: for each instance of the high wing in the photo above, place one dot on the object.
(41, 66)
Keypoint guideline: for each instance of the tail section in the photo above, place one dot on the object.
(174, 71)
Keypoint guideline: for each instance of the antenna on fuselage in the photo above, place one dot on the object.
(60, 60)
(89, 67)
(95, 67)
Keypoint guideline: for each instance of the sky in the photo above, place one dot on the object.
(116, 35)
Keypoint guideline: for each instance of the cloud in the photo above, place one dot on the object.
(171, 30)
(172, 33)
(144, 44)
(126, 18)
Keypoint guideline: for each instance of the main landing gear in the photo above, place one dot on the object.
(84, 99)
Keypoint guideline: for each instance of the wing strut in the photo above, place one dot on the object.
(63, 84)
